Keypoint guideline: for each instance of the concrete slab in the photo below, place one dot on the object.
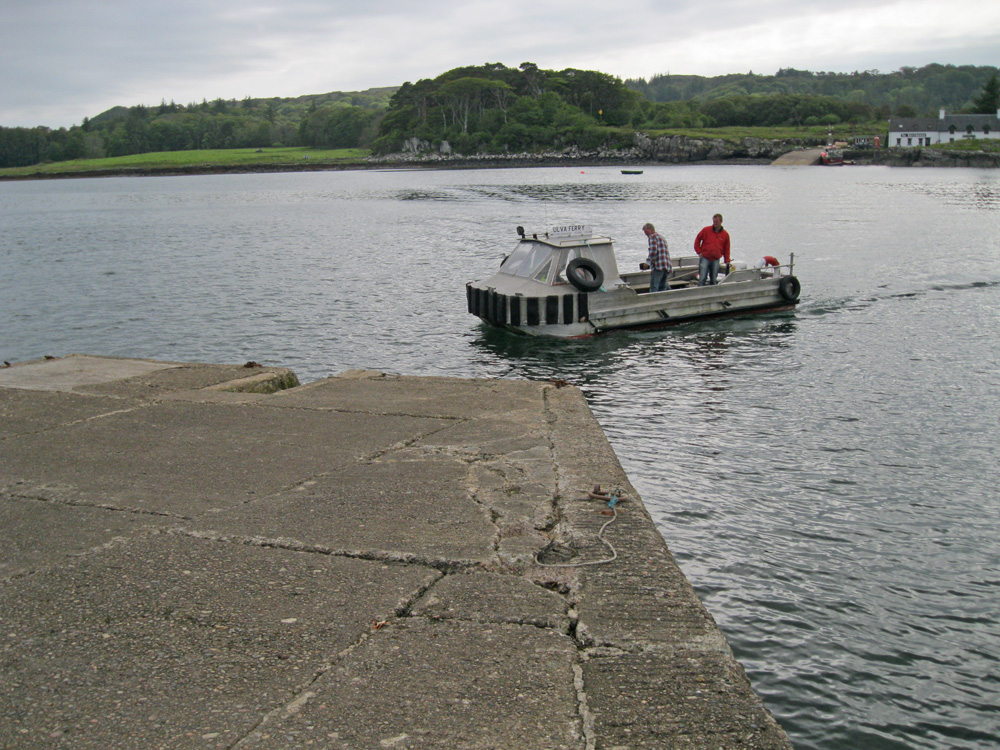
(141, 378)
(379, 393)
(185, 459)
(488, 597)
(68, 373)
(193, 562)
(448, 684)
(395, 508)
(176, 642)
(676, 700)
(38, 534)
(24, 412)
(801, 158)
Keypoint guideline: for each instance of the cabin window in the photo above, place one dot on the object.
(513, 261)
(968, 129)
(564, 257)
(560, 267)
(527, 259)
(543, 272)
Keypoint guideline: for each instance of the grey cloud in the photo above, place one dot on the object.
(61, 60)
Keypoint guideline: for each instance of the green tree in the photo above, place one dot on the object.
(462, 97)
(989, 101)
(338, 127)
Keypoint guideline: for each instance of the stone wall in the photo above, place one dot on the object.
(932, 157)
(677, 149)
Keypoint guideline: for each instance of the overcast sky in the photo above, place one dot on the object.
(63, 60)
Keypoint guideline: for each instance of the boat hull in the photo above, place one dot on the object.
(582, 314)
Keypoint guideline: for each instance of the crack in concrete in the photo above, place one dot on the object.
(571, 584)
(366, 412)
(84, 420)
(300, 697)
(586, 717)
(98, 506)
(293, 545)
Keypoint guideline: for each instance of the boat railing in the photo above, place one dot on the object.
(685, 274)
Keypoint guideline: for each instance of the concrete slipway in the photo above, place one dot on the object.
(204, 556)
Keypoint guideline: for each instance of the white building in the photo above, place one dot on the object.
(925, 131)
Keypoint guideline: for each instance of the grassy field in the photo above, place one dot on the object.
(180, 160)
(285, 158)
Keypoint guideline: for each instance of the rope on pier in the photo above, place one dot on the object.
(612, 499)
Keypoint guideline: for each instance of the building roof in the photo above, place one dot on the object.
(942, 124)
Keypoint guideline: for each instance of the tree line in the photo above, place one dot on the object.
(493, 108)
(334, 120)
(907, 92)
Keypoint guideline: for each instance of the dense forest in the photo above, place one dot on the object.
(907, 92)
(493, 108)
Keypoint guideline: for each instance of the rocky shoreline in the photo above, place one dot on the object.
(677, 149)
(929, 157)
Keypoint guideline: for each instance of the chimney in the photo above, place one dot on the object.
(941, 113)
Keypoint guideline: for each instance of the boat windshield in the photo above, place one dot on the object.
(527, 259)
(543, 263)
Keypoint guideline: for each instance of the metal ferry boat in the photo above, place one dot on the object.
(566, 283)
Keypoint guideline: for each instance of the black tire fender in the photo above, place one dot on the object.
(584, 274)
(789, 288)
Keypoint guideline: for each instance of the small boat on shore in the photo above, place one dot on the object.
(631, 171)
(565, 283)
(831, 157)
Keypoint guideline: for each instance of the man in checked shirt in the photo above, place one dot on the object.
(658, 261)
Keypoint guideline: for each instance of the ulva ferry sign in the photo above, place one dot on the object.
(571, 230)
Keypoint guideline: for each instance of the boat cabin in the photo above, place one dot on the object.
(564, 256)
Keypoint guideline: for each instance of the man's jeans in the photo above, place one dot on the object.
(708, 269)
(658, 280)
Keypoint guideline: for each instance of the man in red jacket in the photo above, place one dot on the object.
(711, 244)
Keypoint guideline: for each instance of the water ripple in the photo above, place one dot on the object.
(826, 477)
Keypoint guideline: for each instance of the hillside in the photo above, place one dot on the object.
(495, 109)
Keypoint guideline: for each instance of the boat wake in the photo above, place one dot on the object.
(826, 307)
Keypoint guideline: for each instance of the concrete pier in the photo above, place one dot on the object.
(800, 158)
(212, 556)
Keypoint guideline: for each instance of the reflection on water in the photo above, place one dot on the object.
(605, 192)
(825, 477)
(699, 346)
(963, 195)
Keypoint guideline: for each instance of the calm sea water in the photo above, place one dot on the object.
(827, 478)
